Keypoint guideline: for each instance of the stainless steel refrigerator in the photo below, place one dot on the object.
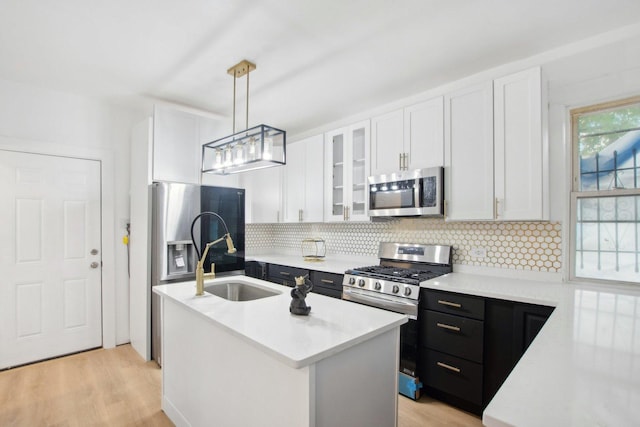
(173, 255)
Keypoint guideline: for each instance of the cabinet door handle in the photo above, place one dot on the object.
(449, 327)
(449, 367)
(326, 281)
(284, 273)
(449, 303)
(400, 161)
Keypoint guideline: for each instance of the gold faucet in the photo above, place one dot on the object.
(200, 274)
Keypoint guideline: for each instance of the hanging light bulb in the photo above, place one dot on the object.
(252, 149)
(218, 163)
(266, 154)
(239, 154)
(228, 154)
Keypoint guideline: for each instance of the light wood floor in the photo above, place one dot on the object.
(116, 387)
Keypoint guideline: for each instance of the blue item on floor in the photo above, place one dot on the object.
(409, 386)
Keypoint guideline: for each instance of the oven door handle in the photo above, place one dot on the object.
(408, 308)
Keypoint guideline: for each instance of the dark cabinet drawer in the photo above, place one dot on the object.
(285, 275)
(455, 376)
(327, 280)
(327, 291)
(452, 303)
(455, 335)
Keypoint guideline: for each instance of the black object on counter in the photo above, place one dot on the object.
(298, 294)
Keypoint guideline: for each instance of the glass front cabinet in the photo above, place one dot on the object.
(347, 162)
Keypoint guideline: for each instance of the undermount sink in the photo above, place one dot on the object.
(239, 291)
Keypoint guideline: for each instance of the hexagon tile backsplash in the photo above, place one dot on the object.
(534, 246)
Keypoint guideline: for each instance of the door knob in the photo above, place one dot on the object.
(94, 252)
(95, 264)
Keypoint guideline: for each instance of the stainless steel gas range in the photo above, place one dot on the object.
(394, 285)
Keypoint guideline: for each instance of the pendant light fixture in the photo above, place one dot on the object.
(260, 147)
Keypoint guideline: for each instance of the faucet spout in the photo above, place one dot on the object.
(200, 274)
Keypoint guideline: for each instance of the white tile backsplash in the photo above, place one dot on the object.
(534, 246)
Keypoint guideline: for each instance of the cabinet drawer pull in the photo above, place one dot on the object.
(284, 273)
(449, 367)
(326, 281)
(445, 326)
(449, 303)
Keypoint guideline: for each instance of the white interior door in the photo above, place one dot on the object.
(50, 257)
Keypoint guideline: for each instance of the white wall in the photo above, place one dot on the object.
(34, 119)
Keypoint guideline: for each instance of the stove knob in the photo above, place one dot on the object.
(407, 292)
(395, 289)
(352, 280)
(378, 286)
(361, 283)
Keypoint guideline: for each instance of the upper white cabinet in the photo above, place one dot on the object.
(387, 143)
(424, 134)
(469, 153)
(303, 184)
(494, 150)
(519, 167)
(263, 195)
(411, 138)
(347, 168)
(177, 140)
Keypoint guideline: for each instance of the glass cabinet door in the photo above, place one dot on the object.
(357, 207)
(347, 154)
(338, 175)
(359, 165)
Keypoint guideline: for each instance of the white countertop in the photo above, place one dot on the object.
(331, 263)
(583, 368)
(332, 325)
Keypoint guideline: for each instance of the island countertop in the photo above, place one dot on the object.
(332, 326)
(583, 367)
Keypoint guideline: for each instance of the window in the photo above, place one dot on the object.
(605, 197)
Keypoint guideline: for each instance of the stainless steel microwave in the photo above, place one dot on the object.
(418, 192)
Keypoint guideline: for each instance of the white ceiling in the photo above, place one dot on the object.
(317, 60)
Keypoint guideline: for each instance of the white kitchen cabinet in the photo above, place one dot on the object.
(177, 144)
(263, 195)
(494, 150)
(347, 169)
(424, 134)
(411, 138)
(469, 153)
(387, 143)
(303, 182)
(519, 150)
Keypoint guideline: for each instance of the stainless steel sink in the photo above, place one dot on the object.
(239, 291)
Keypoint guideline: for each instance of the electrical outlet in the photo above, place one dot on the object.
(479, 253)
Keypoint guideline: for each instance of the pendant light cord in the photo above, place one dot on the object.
(234, 103)
(246, 124)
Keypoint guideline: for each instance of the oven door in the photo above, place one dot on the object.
(385, 302)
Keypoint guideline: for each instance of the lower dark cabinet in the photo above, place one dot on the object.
(510, 327)
(329, 284)
(284, 275)
(453, 375)
(465, 358)
(255, 269)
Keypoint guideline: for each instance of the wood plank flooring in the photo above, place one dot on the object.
(116, 387)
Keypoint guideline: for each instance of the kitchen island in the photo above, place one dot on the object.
(239, 363)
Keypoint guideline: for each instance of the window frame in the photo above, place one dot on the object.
(574, 189)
